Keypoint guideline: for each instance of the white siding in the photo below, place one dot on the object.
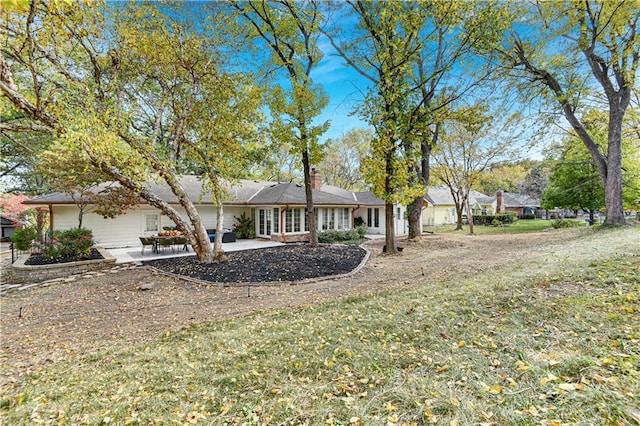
(125, 230)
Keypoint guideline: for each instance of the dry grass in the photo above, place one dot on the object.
(554, 339)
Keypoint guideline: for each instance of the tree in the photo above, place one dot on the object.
(138, 92)
(71, 173)
(574, 182)
(575, 54)
(469, 144)
(506, 177)
(290, 30)
(341, 164)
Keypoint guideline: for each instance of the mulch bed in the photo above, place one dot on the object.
(273, 264)
(38, 259)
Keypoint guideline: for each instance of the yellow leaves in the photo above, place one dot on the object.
(522, 366)
(495, 389)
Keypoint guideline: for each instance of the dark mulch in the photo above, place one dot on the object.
(283, 263)
(38, 259)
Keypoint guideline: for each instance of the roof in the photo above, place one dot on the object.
(512, 199)
(243, 192)
(441, 194)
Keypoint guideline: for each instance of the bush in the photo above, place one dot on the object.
(71, 242)
(23, 238)
(498, 219)
(330, 237)
(245, 227)
(362, 229)
(529, 216)
(564, 223)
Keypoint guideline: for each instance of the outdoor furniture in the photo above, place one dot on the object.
(165, 242)
(181, 241)
(227, 236)
(148, 241)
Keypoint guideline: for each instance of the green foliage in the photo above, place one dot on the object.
(498, 219)
(565, 223)
(245, 226)
(22, 238)
(351, 236)
(72, 242)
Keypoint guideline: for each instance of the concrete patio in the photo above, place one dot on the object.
(134, 254)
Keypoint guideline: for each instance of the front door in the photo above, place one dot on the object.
(265, 220)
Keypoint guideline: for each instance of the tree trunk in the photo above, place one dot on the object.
(469, 216)
(218, 252)
(310, 216)
(390, 230)
(613, 180)
(414, 211)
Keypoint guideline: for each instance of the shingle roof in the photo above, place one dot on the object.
(512, 199)
(440, 194)
(293, 193)
(243, 192)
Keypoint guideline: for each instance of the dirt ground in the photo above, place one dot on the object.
(112, 311)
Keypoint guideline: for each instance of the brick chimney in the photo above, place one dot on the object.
(316, 181)
(499, 202)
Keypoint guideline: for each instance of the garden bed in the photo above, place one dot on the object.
(22, 272)
(39, 259)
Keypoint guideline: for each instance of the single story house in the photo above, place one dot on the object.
(520, 204)
(440, 208)
(7, 228)
(277, 208)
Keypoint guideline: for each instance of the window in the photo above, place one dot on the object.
(376, 218)
(151, 223)
(340, 219)
(325, 219)
(331, 217)
(261, 222)
(296, 220)
(276, 220)
(346, 218)
(292, 220)
(369, 221)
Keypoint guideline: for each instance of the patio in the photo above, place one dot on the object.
(134, 255)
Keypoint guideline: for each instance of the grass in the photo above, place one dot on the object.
(520, 226)
(554, 340)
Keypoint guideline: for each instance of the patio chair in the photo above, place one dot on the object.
(181, 241)
(146, 241)
(166, 242)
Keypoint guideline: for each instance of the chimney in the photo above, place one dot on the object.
(499, 202)
(316, 181)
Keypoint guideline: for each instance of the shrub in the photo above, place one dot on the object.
(23, 238)
(245, 226)
(330, 237)
(71, 242)
(564, 223)
(529, 216)
(362, 230)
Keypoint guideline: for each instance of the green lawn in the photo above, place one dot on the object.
(554, 340)
(529, 225)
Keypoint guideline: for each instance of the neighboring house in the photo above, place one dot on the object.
(7, 228)
(440, 208)
(520, 204)
(278, 210)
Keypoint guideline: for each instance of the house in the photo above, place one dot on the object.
(7, 228)
(520, 204)
(277, 208)
(440, 208)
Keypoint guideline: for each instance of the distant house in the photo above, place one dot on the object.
(278, 210)
(7, 228)
(440, 207)
(521, 204)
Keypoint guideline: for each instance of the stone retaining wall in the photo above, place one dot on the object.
(21, 273)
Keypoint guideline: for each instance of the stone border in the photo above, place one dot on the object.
(21, 273)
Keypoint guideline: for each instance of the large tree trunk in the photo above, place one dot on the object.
(390, 229)
(310, 216)
(414, 211)
(218, 252)
(613, 179)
